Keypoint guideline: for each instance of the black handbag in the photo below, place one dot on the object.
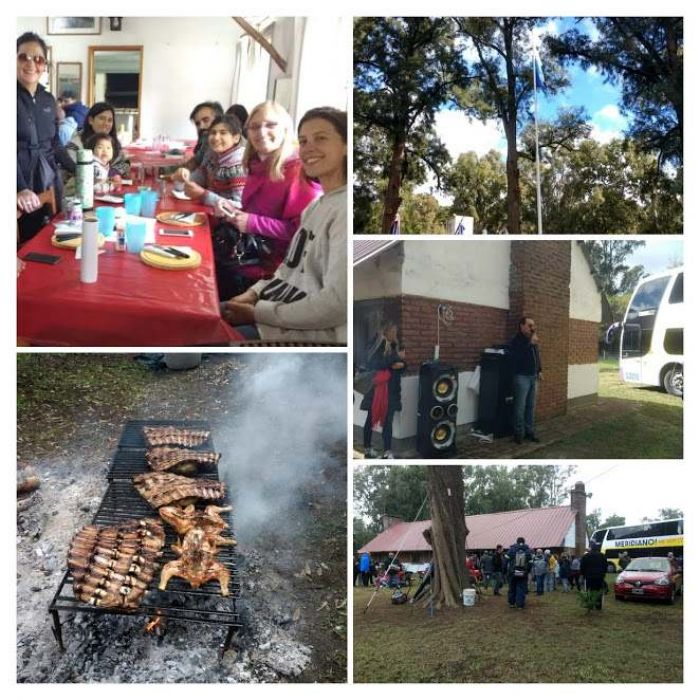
(232, 246)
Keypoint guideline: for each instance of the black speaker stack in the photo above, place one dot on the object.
(437, 410)
(496, 393)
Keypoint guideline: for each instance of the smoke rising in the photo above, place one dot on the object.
(289, 409)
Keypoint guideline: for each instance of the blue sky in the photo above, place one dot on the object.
(656, 256)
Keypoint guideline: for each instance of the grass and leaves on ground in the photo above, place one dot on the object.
(653, 430)
(553, 640)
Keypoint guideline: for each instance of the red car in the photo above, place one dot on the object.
(649, 577)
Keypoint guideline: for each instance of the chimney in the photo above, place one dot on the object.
(389, 521)
(578, 505)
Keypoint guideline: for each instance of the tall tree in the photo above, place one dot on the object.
(593, 521)
(448, 534)
(613, 520)
(609, 265)
(646, 53)
(665, 514)
(405, 70)
(503, 88)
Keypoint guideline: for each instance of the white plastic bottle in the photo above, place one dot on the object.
(88, 250)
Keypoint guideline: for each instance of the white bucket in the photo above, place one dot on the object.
(468, 597)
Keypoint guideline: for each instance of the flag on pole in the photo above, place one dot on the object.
(537, 68)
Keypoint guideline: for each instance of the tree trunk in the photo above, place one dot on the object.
(448, 535)
(392, 198)
(510, 126)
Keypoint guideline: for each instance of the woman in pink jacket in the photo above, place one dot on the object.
(275, 194)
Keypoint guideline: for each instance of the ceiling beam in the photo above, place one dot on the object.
(267, 46)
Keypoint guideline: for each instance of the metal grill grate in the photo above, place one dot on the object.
(179, 602)
(129, 462)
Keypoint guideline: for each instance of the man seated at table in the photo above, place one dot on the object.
(201, 116)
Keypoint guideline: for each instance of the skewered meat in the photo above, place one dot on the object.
(165, 489)
(170, 435)
(112, 567)
(179, 460)
(202, 538)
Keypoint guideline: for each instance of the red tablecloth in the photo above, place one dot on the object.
(131, 304)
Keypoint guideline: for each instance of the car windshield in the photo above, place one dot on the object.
(648, 565)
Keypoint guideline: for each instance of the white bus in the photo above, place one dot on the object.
(651, 346)
(654, 539)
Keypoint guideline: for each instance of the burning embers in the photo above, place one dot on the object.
(112, 567)
(179, 460)
(197, 550)
(170, 435)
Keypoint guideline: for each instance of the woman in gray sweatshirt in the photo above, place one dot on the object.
(306, 299)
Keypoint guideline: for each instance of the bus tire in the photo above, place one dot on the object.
(672, 380)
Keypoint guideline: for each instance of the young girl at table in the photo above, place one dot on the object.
(221, 175)
(102, 147)
(306, 299)
(274, 196)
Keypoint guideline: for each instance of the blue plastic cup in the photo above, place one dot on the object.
(135, 236)
(132, 203)
(105, 220)
(149, 201)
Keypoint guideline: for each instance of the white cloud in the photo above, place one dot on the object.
(608, 123)
(610, 113)
(461, 134)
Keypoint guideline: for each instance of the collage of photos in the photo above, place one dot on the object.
(303, 402)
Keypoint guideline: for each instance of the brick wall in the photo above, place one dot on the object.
(583, 342)
(539, 287)
(461, 342)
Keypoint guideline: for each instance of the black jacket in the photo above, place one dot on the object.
(594, 565)
(40, 111)
(380, 359)
(524, 356)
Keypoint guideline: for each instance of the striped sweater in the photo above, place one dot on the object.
(222, 176)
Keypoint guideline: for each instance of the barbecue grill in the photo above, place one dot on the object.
(122, 502)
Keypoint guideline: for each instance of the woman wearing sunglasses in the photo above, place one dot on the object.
(38, 145)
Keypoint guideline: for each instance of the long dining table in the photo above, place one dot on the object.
(131, 304)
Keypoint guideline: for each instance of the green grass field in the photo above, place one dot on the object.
(554, 640)
(654, 430)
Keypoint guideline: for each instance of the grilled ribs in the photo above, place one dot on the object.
(197, 550)
(170, 435)
(181, 461)
(163, 489)
(112, 567)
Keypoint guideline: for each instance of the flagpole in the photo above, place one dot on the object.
(537, 143)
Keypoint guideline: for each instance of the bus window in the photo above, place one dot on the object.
(598, 536)
(676, 296)
(673, 341)
(648, 297)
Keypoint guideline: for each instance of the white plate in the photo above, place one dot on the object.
(111, 198)
(181, 195)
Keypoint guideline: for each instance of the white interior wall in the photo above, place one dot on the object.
(186, 60)
(380, 276)
(472, 272)
(584, 298)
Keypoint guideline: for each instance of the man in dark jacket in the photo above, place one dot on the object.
(519, 561)
(498, 569)
(594, 566)
(527, 371)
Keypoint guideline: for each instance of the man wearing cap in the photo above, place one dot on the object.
(527, 371)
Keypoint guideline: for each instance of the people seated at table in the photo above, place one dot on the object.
(222, 174)
(100, 120)
(73, 107)
(306, 298)
(273, 199)
(202, 117)
(102, 147)
(38, 147)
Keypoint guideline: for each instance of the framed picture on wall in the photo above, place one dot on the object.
(69, 77)
(74, 25)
